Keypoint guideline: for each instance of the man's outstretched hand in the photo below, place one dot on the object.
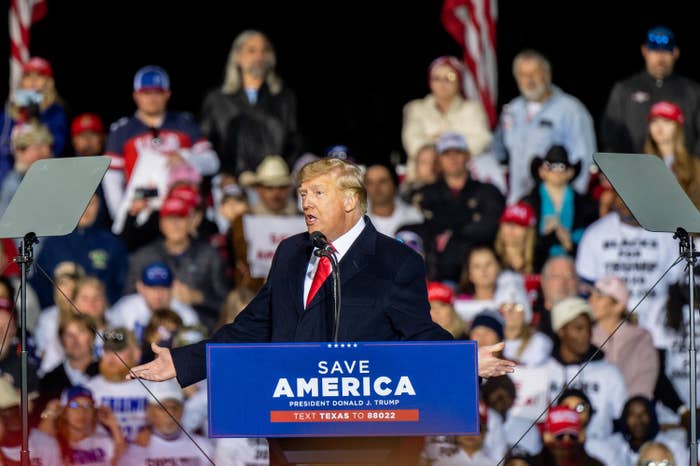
(161, 368)
(490, 365)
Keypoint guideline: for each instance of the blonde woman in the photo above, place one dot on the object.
(516, 237)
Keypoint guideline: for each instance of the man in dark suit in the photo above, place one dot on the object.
(383, 284)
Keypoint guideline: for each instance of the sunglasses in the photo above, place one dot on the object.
(555, 166)
(562, 437)
(84, 405)
(512, 307)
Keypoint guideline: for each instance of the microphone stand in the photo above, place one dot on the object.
(24, 259)
(687, 251)
(328, 253)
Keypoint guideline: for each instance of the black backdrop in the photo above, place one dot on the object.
(353, 64)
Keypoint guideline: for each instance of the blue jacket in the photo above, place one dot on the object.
(98, 250)
(383, 298)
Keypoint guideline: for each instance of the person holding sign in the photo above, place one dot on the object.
(384, 295)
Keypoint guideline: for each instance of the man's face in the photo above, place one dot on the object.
(25, 156)
(156, 297)
(88, 143)
(80, 416)
(575, 336)
(560, 281)
(91, 301)
(255, 57)
(151, 102)
(275, 198)
(112, 369)
(500, 400)
(660, 63)
(453, 162)
(77, 341)
(379, 185)
(326, 208)
(638, 420)
(159, 418)
(532, 80)
(175, 228)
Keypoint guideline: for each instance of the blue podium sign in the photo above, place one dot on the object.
(343, 389)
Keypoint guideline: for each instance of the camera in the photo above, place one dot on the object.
(145, 193)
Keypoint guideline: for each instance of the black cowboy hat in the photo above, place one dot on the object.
(555, 154)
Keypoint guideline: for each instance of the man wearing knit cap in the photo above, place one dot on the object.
(600, 380)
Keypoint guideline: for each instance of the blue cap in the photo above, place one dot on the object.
(451, 141)
(157, 274)
(339, 152)
(71, 393)
(151, 77)
(661, 38)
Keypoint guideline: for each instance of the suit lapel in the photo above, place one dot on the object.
(297, 273)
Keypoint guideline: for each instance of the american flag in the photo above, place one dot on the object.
(23, 13)
(472, 23)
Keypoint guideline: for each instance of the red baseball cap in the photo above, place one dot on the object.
(439, 292)
(668, 110)
(521, 214)
(176, 207)
(562, 420)
(86, 122)
(37, 65)
(187, 193)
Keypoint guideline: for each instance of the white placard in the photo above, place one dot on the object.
(263, 233)
(532, 389)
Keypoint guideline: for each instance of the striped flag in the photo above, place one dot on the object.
(472, 23)
(23, 13)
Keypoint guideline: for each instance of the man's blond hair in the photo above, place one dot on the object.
(348, 177)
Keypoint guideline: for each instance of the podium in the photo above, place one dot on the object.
(343, 403)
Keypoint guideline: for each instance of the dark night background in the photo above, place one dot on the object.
(353, 65)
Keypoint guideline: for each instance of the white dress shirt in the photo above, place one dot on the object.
(341, 245)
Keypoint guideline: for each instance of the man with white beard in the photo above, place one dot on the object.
(541, 116)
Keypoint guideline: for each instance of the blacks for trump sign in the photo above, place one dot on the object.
(342, 389)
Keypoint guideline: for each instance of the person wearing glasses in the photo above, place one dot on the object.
(624, 122)
(563, 439)
(86, 434)
(444, 109)
(655, 454)
(608, 450)
(542, 115)
(562, 213)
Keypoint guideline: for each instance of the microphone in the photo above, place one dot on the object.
(319, 241)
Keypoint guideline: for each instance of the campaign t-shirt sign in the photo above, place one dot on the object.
(263, 233)
(343, 389)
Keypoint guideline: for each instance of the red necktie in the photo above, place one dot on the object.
(322, 272)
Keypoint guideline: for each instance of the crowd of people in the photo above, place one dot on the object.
(524, 242)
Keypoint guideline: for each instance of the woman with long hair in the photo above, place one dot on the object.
(516, 238)
(666, 140)
(86, 434)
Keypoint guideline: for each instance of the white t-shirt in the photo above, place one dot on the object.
(127, 400)
(178, 452)
(403, 214)
(468, 308)
(440, 451)
(536, 352)
(515, 427)
(132, 312)
(196, 412)
(43, 450)
(242, 452)
(637, 256)
(677, 364)
(96, 450)
(601, 381)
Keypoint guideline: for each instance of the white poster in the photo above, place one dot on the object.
(263, 233)
(532, 388)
